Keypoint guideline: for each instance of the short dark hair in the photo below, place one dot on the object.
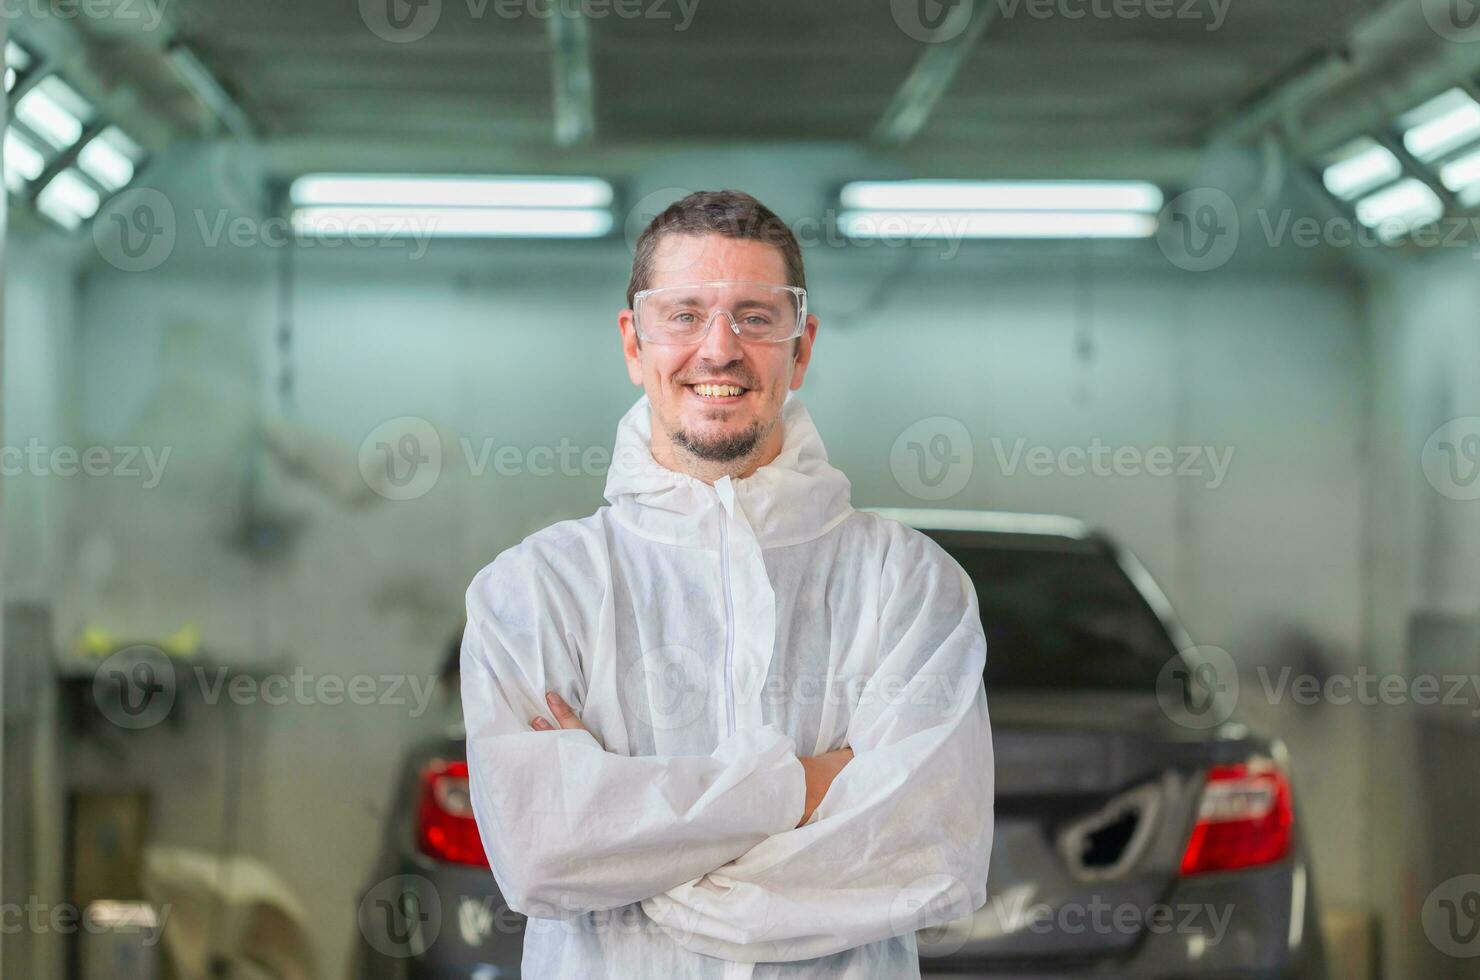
(734, 214)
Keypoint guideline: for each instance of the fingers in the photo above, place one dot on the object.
(564, 716)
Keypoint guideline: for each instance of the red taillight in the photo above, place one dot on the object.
(444, 816)
(1245, 818)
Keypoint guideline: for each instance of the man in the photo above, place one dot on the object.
(727, 726)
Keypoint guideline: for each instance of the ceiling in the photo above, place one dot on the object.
(472, 84)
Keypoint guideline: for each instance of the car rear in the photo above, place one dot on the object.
(1128, 842)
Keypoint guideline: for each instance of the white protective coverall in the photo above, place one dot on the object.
(708, 636)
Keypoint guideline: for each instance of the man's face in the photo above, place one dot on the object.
(725, 429)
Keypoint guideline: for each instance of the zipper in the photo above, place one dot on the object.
(724, 576)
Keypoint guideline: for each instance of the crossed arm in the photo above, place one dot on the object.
(750, 853)
(819, 770)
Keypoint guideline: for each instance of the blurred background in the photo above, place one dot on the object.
(1201, 274)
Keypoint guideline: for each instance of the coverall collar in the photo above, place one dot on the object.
(796, 497)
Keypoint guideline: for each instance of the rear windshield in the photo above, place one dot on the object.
(1062, 619)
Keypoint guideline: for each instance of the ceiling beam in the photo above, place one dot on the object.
(575, 97)
(931, 76)
(1392, 59)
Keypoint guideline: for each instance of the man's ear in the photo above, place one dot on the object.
(803, 354)
(631, 346)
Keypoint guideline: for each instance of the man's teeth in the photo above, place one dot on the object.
(718, 391)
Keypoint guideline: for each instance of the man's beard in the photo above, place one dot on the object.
(725, 449)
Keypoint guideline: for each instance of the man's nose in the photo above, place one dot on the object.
(721, 344)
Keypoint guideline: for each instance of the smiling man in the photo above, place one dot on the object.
(727, 726)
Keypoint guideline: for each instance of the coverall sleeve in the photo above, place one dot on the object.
(902, 839)
(567, 826)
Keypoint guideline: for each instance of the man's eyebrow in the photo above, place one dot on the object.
(689, 300)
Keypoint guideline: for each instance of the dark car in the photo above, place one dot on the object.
(1141, 831)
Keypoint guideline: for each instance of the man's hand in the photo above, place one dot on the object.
(821, 770)
(564, 716)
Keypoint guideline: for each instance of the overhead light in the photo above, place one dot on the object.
(414, 222)
(1397, 210)
(1462, 175)
(110, 158)
(1441, 125)
(17, 60)
(24, 161)
(54, 111)
(1360, 166)
(881, 209)
(996, 224)
(446, 205)
(1002, 195)
(68, 199)
(451, 191)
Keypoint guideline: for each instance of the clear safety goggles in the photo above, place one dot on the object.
(757, 311)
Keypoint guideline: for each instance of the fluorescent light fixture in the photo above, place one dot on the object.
(1462, 172)
(1002, 195)
(1397, 210)
(54, 111)
(997, 224)
(1360, 166)
(418, 222)
(17, 60)
(882, 209)
(1441, 125)
(68, 199)
(110, 158)
(24, 160)
(451, 191)
(449, 205)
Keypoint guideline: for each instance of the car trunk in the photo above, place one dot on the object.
(1096, 794)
